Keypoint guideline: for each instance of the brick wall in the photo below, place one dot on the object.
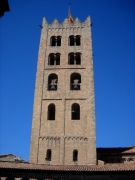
(63, 135)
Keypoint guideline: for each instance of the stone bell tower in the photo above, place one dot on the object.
(63, 126)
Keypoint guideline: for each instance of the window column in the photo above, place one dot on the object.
(74, 58)
(74, 40)
(54, 59)
(56, 41)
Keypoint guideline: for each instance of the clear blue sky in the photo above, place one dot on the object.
(113, 34)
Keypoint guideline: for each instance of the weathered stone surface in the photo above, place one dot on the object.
(63, 135)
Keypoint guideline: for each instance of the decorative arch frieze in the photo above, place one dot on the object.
(51, 138)
(80, 138)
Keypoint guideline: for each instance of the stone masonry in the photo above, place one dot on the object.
(64, 135)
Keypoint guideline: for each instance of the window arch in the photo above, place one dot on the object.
(74, 40)
(52, 41)
(75, 155)
(78, 40)
(75, 111)
(74, 58)
(55, 41)
(71, 40)
(75, 81)
(51, 112)
(48, 155)
(54, 59)
(58, 40)
(52, 82)
(78, 58)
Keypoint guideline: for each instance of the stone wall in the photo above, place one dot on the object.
(63, 135)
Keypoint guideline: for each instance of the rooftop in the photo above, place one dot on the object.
(82, 168)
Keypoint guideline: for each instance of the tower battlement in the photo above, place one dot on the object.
(66, 23)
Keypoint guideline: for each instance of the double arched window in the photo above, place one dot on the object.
(75, 81)
(74, 58)
(52, 82)
(74, 40)
(75, 111)
(55, 41)
(51, 112)
(54, 59)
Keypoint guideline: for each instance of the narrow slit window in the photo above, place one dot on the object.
(75, 155)
(48, 155)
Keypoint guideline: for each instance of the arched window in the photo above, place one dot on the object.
(52, 41)
(74, 58)
(78, 40)
(52, 82)
(78, 58)
(71, 40)
(57, 58)
(75, 81)
(51, 112)
(58, 40)
(75, 111)
(48, 155)
(74, 40)
(54, 59)
(75, 155)
(51, 59)
(55, 41)
(71, 58)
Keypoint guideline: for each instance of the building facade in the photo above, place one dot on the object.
(63, 126)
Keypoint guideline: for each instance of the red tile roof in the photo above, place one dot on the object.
(91, 168)
(129, 151)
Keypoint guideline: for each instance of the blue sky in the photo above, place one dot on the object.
(113, 39)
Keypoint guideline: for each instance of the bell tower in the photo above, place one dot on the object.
(63, 126)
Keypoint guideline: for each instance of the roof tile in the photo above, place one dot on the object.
(92, 168)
